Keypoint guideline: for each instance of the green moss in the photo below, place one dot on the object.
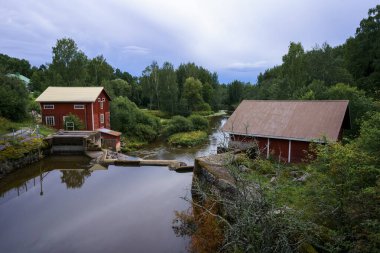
(188, 138)
(19, 149)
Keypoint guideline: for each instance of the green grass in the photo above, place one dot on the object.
(129, 145)
(7, 126)
(188, 139)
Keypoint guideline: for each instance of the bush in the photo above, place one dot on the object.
(178, 124)
(126, 117)
(188, 139)
(199, 122)
(145, 132)
(78, 123)
(13, 104)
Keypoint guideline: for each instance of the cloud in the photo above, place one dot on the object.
(223, 36)
(247, 66)
(136, 50)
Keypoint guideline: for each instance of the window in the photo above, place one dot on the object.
(78, 106)
(50, 120)
(48, 106)
(101, 105)
(102, 118)
(103, 99)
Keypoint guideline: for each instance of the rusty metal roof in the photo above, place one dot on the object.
(70, 94)
(294, 120)
(109, 131)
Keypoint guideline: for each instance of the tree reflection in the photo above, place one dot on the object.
(74, 178)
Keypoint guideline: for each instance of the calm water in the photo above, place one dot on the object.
(62, 205)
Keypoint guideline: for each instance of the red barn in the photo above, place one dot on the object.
(285, 129)
(90, 104)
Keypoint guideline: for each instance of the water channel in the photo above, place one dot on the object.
(59, 205)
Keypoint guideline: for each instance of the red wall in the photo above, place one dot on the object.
(278, 148)
(63, 109)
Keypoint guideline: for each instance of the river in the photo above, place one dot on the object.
(62, 204)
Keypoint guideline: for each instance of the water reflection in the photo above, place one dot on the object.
(78, 208)
(74, 178)
(74, 169)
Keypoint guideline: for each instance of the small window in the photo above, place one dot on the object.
(48, 106)
(102, 118)
(78, 106)
(101, 105)
(99, 99)
(103, 99)
(50, 120)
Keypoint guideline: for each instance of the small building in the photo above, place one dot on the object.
(110, 139)
(23, 79)
(285, 129)
(90, 104)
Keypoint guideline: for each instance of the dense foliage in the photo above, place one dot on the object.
(14, 101)
(73, 122)
(127, 118)
(178, 124)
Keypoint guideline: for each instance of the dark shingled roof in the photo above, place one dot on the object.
(295, 120)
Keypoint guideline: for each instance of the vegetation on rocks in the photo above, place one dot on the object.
(19, 148)
(188, 139)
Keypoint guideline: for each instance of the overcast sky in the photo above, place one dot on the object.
(237, 39)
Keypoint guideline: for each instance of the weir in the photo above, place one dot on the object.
(73, 142)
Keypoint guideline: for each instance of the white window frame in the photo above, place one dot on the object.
(101, 118)
(79, 107)
(50, 119)
(103, 99)
(101, 105)
(49, 106)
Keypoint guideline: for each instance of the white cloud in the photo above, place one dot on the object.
(247, 66)
(136, 50)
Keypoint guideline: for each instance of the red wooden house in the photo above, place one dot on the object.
(90, 104)
(285, 129)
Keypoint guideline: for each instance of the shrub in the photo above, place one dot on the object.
(188, 139)
(126, 117)
(199, 122)
(178, 124)
(78, 123)
(145, 132)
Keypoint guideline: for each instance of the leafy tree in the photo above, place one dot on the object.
(118, 87)
(235, 93)
(362, 53)
(127, 118)
(11, 65)
(193, 92)
(99, 70)
(168, 88)
(343, 198)
(13, 104)
(369, 139)
(359, 103)
(69, 62)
